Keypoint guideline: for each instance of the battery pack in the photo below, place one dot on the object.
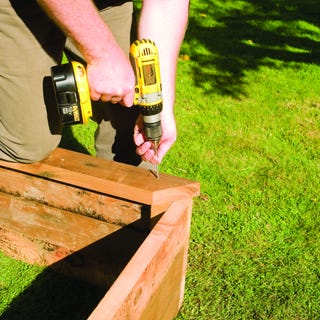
(72, 93)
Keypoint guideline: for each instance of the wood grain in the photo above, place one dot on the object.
(76, 245)
(74, 199)
(80, 214)
(108, 177)
(151, 286)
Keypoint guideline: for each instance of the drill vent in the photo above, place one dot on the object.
(147, 51)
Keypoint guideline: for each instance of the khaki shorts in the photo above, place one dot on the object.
(29, 45)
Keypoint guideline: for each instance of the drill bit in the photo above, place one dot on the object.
(155, 146)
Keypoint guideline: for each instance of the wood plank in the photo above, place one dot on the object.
(165, 301)
(102, 261)
(40, 223)
(76, 245)
(47, 234)
(75, 199)
(109, 177)
(159, 261)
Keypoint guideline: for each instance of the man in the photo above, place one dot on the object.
(32, 38)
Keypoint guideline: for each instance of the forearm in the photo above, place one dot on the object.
(80, 21)
(165, 23)
(109, 72)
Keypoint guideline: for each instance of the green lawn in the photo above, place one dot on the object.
(248, 116)
(247, 112)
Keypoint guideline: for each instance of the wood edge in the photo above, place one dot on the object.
(54, 168)
(81, 180)
(152, 254)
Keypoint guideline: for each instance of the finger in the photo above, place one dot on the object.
(163, 148)
(95, 96)
(148, 155)
(138, 138)
(105, 97)
(115, 99)
(127, 100)
(142, 149)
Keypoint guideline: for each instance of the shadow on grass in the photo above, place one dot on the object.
(58, 294)
(224, 41)
(70, 142)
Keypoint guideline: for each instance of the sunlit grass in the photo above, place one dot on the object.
(248, 129)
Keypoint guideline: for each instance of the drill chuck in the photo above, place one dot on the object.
(152, 121)
(152, 127)
(150, 109)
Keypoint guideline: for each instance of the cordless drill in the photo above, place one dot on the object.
(148, 90)
(73, 97)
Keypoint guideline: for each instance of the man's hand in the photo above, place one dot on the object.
(109, 71)
(145, 149)
(112, 79)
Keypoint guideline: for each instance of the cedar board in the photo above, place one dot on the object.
(72, 204)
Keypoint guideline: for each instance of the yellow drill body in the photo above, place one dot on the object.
(148, 90)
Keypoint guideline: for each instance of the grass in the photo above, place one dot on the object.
(250, 106)
(249, 130)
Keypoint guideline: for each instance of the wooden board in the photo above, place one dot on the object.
(74, 199)
(108, 177)
(76, 245)
(152, 284)
(108, 223)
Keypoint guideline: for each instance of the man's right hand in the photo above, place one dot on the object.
(109, 71)
(112, 79)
